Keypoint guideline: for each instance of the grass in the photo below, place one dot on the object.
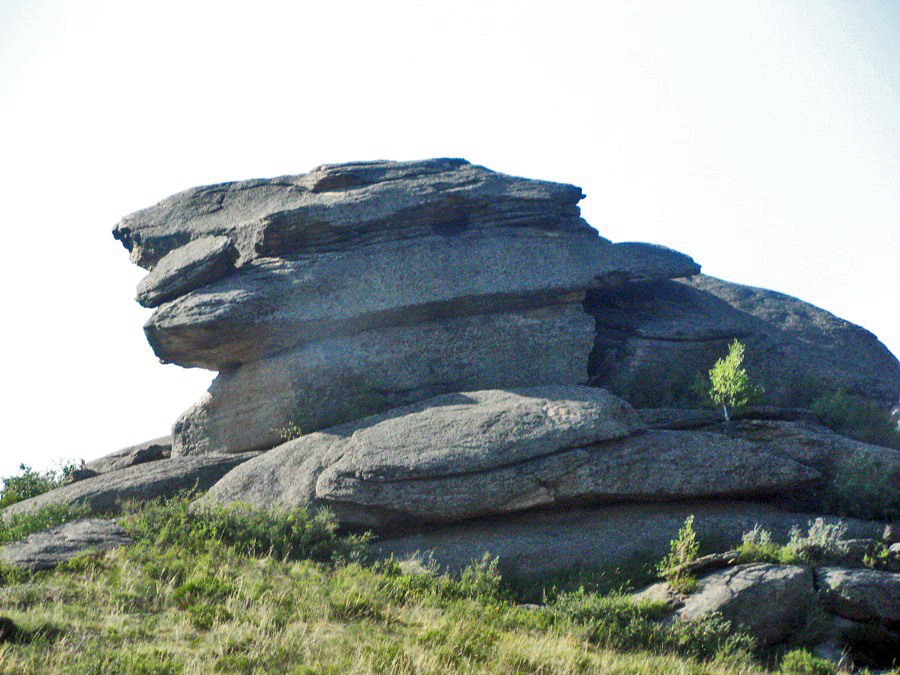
(243, 591)
(19, 526)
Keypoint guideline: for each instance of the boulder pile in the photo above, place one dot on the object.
(454, 358)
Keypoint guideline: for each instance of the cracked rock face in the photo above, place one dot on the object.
(670, 331)
(479, 453)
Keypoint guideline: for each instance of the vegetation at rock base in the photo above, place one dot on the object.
(30, 483)
(237, 590)
(683, 550)
(19, 526)
(822, 541)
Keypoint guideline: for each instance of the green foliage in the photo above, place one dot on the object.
(854, 417)
(19, 526)
(822, 541)
(31, 483)
(683, 549)
(801, 662)
(294, 533)
(757, 546)
(730, 386)
(863, 488)
(288, 432)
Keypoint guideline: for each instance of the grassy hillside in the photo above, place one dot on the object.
(254, 592)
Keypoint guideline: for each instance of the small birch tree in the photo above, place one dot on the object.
(730, 385)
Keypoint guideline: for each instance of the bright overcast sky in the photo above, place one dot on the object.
(762, 138)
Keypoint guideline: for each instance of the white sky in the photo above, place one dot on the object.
(762, 138)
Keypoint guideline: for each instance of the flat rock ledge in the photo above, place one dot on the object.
(47, 549)
(541, 542)
(479, 453)
(163, 478)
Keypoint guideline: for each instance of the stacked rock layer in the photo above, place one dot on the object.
(355, 288)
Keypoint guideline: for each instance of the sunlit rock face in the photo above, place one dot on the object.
(356, 288)
(360, 287)
(653, 339)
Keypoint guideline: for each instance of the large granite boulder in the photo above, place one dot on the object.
(328, 382)
(459, 456)
(348, 205)
(274, 304)
(358, 287)
(861, 594)
(768, 601)
(654, 338)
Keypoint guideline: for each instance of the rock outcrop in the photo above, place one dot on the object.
(47, 549)
(106, 492)
(361, 287)
(459, 456)
(654, 338)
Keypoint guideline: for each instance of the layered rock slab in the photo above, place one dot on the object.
(541, 542)
(47, 549)
(488, 452)
(340, 206)
(657, 336)
(106, 492)
(274, 304)
(328, 382)
(195, 264)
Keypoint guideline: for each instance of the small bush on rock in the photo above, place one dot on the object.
(801, 662)
(683, 550)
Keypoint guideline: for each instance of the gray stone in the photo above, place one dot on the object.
(654, 338)
(767, 601)
(633, 262)
(860, 594)
(464, 455)
(195, 264)
(163, 478)
(148, 451)
(540, 542)
(48, 548)
(346, 205)
(274, 304)
(332, 381)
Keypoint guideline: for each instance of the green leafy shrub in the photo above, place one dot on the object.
(862, 488)
(729, 383)
(288, 533)
(757, 546)
(31, 483)
(857, 418)
(19, 526)
(821, 541)
(801, 662)
(683, 550)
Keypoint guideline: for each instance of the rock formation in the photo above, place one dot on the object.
(473, 369)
